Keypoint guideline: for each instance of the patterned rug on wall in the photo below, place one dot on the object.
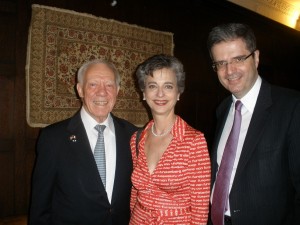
(60, 41)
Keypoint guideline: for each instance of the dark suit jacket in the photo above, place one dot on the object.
(67, 188)
(266, 187)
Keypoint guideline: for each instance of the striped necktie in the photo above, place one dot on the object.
(99, 153)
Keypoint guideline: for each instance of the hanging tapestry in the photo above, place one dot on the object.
(60, 41)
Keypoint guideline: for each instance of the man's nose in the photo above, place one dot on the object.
(101, 89)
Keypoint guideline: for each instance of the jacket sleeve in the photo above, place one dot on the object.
(43, 181)
(294, 159)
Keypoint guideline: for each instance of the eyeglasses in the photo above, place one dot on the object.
(222, 65)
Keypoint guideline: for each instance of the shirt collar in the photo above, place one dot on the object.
(91, 122)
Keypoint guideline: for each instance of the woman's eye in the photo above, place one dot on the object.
(151, 86)
(169, 87)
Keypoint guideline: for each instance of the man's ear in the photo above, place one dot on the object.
(256, 55)
(79, 90)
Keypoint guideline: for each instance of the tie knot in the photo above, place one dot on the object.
(238, 105)
(100, 128)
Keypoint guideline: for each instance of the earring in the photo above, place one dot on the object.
(144, 98)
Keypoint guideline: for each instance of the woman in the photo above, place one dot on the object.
(171, 177)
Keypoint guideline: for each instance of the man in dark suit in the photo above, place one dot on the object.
(264, 179)
(66, 186)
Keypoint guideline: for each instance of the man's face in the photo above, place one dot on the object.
(240, 77)
(98, 91)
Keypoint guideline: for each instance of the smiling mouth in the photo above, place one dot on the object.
(100, 103)
(160, 102)
(233, 78)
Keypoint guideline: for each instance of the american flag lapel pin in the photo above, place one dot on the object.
(73, 138)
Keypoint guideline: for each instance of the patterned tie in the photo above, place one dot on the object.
(221, 191)
(99, 153)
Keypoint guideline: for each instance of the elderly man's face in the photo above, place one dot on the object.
(98, 91)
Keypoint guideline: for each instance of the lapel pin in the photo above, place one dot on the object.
(73, 138)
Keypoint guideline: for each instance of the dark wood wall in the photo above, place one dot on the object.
(189, 20)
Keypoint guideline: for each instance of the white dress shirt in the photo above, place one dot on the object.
(109, 142)
(249, 101)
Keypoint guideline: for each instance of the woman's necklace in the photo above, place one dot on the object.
(163, 134)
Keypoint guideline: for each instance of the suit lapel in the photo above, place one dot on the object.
(256, 126)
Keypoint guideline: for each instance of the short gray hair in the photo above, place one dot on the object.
(82, 70)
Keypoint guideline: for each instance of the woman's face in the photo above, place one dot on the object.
(161, 92)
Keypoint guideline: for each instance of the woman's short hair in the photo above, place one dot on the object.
(157, 62)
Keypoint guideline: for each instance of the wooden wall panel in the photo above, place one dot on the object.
(7, 103)
(23, 151)
(7, 182)
(7, 98)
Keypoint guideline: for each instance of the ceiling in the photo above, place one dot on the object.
(294, 2)
(286, 12)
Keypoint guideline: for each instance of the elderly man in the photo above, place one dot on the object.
(72, 184)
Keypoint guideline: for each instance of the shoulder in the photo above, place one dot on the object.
(284, 93)
(53, 135)
(56, 127)
(277, 93)
(64, 127)
(124, 124)
(279, 100)
(187, 130)
(193, 141)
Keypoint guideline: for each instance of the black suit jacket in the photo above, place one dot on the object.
(266, 187)
(67, 188)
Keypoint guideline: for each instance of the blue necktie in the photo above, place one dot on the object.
(221, 190)
(99, 153)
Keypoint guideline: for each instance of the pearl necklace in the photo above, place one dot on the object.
(163, 134)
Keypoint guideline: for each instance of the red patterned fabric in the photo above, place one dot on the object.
(177, 192)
